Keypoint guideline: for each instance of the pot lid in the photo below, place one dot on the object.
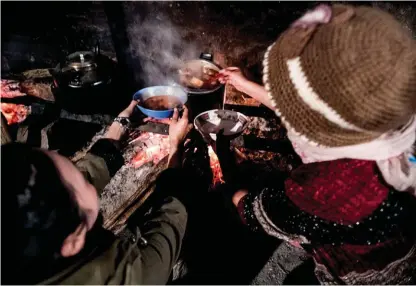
(81, 59)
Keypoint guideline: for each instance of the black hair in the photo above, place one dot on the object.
(38, 213)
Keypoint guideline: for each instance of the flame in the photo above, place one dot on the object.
(157, 147)
(214, 163)
(14, 113)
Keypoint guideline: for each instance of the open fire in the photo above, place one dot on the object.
(14, 113)
(156, 148)
(10, 89)
(214, 163)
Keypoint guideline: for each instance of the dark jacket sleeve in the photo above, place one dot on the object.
(151, 258)
(101, 163)
(162, 236)
(147, 259)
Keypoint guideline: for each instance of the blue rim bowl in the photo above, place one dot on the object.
(152, 91)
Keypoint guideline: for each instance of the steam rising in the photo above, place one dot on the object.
(161, 50)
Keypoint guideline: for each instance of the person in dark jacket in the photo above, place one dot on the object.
(342, 79)
(52, 232)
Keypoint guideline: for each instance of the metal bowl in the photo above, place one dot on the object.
(152, 91)
(210, 123)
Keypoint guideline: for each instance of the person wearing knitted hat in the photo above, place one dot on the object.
(343, 81)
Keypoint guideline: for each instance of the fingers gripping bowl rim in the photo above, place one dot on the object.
(149, 92)
(211, 122)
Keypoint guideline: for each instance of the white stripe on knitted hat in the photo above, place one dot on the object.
(276, 108)
(307, 94)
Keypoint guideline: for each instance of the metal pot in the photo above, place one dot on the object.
(205, 61)
(82, 80)
(82, 69)
(200, 100)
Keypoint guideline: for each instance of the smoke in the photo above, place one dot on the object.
(161, 49)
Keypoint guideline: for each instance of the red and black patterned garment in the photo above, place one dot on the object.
(357, 229)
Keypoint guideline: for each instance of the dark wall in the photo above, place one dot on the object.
(36, 34)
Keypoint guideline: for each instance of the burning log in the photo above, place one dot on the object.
(10, 89)
(146, 157)
(157, 148)
(126, 192)
(37, 89)
(14, 113)
(31, 87)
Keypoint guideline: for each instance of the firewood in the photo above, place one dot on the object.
(111, 217)
(121, 221)
(5, 136)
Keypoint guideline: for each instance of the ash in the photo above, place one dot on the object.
(122, 186)
(128, 180)
(270, 128)
(102, 119)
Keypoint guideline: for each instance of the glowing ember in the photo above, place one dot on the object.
(10, 89)
(14, 113)
(215, 167)
(157, 148)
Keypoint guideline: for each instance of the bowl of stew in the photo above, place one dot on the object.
(159, 101)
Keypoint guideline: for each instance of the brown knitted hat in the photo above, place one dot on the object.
(345, 82)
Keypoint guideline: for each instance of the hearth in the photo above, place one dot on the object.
(68, 113)
(43, 123)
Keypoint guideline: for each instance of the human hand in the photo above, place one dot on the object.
(238, 196)
(295, 243)
(233, 76)
(129, 110)
(179, 128)
(116, 131)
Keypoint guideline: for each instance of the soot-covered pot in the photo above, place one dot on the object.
(199, 78)
(80, 79)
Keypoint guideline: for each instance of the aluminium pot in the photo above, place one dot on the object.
(204, 99)
(81, 80)
(205, 61)
(82, 69)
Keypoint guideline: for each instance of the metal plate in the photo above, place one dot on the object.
(209, 123)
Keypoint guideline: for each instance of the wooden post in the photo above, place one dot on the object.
(5, 136)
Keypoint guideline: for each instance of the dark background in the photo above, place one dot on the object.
(36, 34)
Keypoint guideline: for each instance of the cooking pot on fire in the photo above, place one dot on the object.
(200, 76)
